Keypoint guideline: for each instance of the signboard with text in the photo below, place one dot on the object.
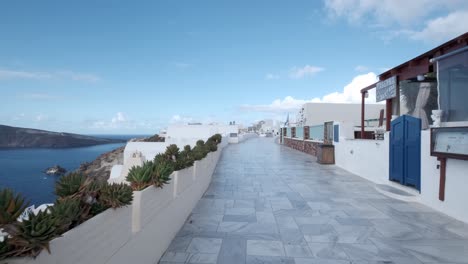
(386, 89)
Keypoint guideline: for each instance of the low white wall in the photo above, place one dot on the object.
(141, 231)
(370, 160)
(366, 158)
(456, 185)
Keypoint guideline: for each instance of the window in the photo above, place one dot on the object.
(453, 87)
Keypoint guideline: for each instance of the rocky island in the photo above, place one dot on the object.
(18, 137)
(55, 170)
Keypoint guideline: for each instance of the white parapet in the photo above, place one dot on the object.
(139, 233)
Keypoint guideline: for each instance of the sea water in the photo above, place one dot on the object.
(23, 169)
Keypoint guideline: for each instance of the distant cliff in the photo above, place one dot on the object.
(101, 167)
(17, 137)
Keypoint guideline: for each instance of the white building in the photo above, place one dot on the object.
(136, 153)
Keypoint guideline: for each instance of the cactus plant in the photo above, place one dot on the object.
(69, 185)
(67, 213)
(32, 235)
(140, 177)
(211, 146)
(172, 152)
(5, 248)
(11, 206)
(161, 173)
(216, 138)
(116, 195)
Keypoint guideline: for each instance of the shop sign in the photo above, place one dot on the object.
(386, 89)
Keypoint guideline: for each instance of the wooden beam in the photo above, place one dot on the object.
(388, 114)
(363, 101)
(443, 166)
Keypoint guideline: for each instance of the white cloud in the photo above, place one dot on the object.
(271, 76)
(443, 28)
(386, 12)
(6, 74)
(40, 96)
(301, 72)
(351, 93)
(361, 68)
(427, 20)
(41, 118)
(119, 121)
(178, 119)
(9, 74)
(289, 103)
(181, 65)
(119, 118)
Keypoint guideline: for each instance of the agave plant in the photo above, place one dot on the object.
(116, 195)
(216, 138)
(32, 235)
(200, 143)
(172, 152)
(4, 248)
(211, 146)
(97, 208)
(140, 177)
(67, 213)
(11, 206)
(69, 185)
(161, 173)
(185, 159)
(199, 152)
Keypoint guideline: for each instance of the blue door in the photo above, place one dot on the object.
(405, 151)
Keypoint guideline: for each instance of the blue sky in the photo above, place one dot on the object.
(135, 66)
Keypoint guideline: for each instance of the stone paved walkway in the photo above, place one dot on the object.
(271, 204)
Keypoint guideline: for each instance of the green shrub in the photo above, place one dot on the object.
(96, 208)
(116, 195)
(5, 248)
(211, 146)
(200, 143)
(185, 158)
(11, 206)
(69, 185)
(172, 152)
(217, 138)
(140, 177)
(67, 213)
(29, 237)
(161, 173)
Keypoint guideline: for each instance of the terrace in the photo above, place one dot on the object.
(271, 204)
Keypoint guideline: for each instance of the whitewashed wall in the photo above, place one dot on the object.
(139, 233)
(456, 185)
(370, 160)
(366, 158)
(148, 149)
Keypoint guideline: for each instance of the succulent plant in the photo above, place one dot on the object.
(4, 248)
(216, 138)
(211, 145)
(200, 143)
(67, 213)
(11, 206)
(69, 185)
(172, 152)
(96, 208)
(116, 195)
(140, 177)
(199, 152)
(30, 236)
(161, 173)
